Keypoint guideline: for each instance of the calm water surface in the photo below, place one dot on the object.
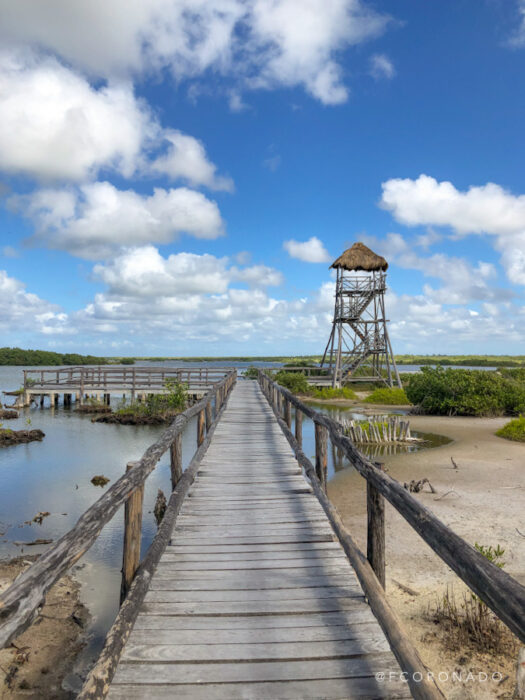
(54, 475)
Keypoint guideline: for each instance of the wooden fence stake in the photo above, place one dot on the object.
(209, 417)
(375, 543)
(299, 426)
(321, 453)
(201, 422)
(132, 536)
(176, 460)
(288, 413)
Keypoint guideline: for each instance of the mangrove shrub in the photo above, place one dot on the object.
(464, 392)
(295, 382)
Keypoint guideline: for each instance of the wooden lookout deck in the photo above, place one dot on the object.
(254, 596)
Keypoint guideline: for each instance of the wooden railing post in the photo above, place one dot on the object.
(132, 536)
(299, 426)
(201, 422)
(288, 413)
(176, 460)
(209, 417)
(375, 543)
(321, 453)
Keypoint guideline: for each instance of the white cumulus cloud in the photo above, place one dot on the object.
(253, 43)
(312, 250)
(55, 125)
(186, 159)
(487, 209)
(95, 219)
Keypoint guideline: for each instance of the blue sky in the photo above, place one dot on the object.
(177, 176)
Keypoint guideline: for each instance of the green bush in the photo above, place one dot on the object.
(465, 392)
(173, 401)
(251, 372)
(390, 397)
(293, 381)
(329, 393)
(515, 430)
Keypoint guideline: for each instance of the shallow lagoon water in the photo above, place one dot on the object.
(54, 475)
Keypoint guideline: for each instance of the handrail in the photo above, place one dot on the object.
(422, 685)
(20, 603)
(96, 685)
(502, 593)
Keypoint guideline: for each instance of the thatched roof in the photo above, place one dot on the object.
(359, 257)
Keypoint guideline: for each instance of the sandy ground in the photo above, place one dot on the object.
(485, 505)
(44, 654)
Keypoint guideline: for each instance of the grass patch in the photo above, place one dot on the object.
(389, 397)
(329, 393)
(515, 430)
(469, 622)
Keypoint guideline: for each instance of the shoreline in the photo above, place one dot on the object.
(38, 662)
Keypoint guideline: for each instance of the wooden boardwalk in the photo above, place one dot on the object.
(254, 597)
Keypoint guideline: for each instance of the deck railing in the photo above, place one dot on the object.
(106, 379)
(21, 602)
(502, 593)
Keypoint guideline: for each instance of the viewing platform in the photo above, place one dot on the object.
(101, 382)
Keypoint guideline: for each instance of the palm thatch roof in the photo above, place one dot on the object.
(359, 257)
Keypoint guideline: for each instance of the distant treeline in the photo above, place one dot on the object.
(17, 356)
(463, 360)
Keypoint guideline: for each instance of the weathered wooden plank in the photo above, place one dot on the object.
(343, 618)
(339, 565)
(262, 539)
(270, 607)
(246, 596)
(253, 581)
(364, 631)
(232, 653)
(160, 673)
(307, 557)
(332, 689)
(261, 548)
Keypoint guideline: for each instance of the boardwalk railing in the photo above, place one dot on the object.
(110, 378)
(502, 593)
(21, 602)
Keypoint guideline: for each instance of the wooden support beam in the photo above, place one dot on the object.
(209, 416)
(321, 453)
(132, 536)
(288, 413)
(375, 543)
(299, 426)
(176, 460)
(201, 423)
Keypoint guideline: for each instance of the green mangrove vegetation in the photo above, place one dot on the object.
(156, 409)
(17, 356)
(463, 392)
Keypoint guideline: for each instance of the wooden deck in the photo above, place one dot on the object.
(254, 597)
